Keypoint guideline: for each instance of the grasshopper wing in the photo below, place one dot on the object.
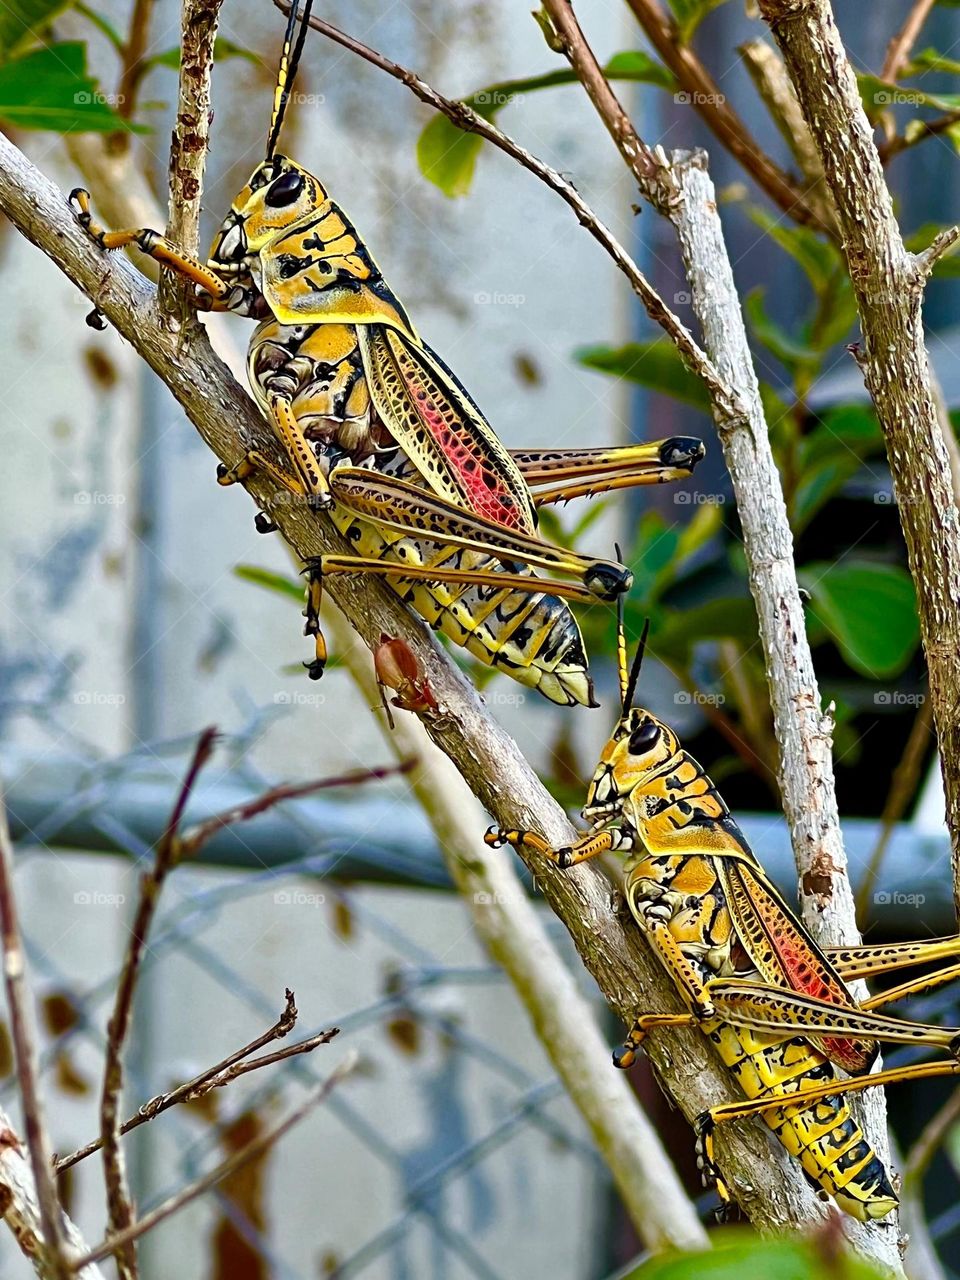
(786, 956)
(437, 425)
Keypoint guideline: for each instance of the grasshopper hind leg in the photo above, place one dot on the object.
(311, 611)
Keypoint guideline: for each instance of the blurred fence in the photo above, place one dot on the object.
(424, 1165)
(453, 1151)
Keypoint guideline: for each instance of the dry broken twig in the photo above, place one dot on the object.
(237, 1064)
(171, 849)
(251, 1151)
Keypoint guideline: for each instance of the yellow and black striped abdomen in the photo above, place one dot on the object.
(530, 636)
(822, 1135)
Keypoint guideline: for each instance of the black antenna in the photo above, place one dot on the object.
(287, 71)
(635, 669)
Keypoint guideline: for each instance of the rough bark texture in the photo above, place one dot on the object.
(767, 1183)
(21, 1212)
(888, 282)
(509, 926)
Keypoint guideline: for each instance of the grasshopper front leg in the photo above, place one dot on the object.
(588, 846)
(310, 482)
(155, 246)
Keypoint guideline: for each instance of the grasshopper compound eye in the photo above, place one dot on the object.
(285, 190)
(644, 739)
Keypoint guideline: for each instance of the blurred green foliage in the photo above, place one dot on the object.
(739, 1255)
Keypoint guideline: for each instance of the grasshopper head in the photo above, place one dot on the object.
(640, 746)
(279, 192)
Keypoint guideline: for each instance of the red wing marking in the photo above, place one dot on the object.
(438, 426)
(801, 964)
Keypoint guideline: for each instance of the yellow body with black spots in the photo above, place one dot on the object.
(376, 430)
(775, 1005)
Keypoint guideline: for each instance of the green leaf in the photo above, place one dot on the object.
(877, 95)
(634, 64)
(831, 454)
(680, 630)
(795, 355)
(50, 89)
(278, 583)
(816, 256)
(105, 27)
(20, 19)
(447, 156)
(846, 428)
(871, 613)
(775, 408)
(819, 483)
(707, 521)
(688, 14)
(650, 364)
(739, 1255)
(222, 50)
(931, 60)
(652, 554)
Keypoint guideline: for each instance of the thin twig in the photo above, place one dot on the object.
(171, 849)
(711, 105)
(251, 1151)
(939, 246)
(770, 77)
(23, 1033)
(900, 47)
(931, 1136)
(191, 133)
(231, 1068)
(922, 129)
(134, 51)
(195, 837)
(120, 1211)
(693, 356)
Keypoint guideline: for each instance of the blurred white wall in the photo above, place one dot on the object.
(122, 614)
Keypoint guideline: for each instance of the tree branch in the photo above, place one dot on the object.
(924, 129)
(511, 929)
(487, 758)
(131, 72)
(770, 77)
(900, 47)
(268, 1138)
(188, 148)
(120, 1212)
(231, 1068)
(716, 112)
(54, 1257)
(888, 283)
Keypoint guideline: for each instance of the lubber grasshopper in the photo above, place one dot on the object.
(377, 430)
(773, 1003)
